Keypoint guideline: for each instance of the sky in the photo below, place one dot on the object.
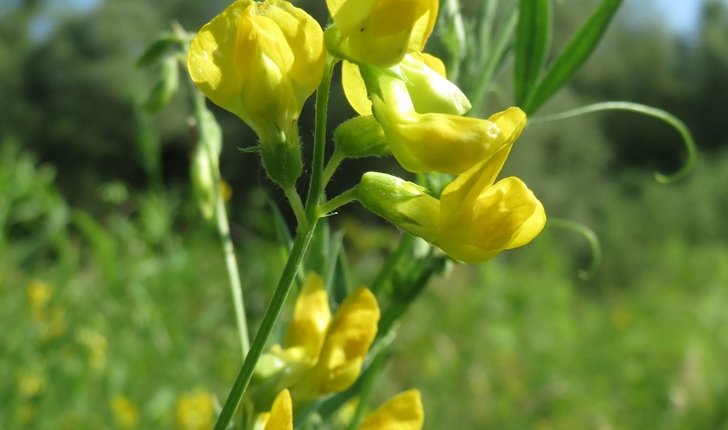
(681, 15)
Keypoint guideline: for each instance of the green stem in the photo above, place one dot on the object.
(334, 162)
(319, 145)
(231, 264)
(266, 327)
(298, 209)
(366, 390)
(337, 202)
(645, 110)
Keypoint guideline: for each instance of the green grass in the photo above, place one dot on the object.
(138, 306)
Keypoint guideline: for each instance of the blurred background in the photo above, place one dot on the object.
(114, 309)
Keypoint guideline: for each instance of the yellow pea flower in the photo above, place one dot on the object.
(427, 142)
(311, 317)
(348, 339)
(321, 354)
(475, 218)
(261, 61)
(380, 32)
(125, 412)
(402, 412)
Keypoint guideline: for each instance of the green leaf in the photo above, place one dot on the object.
(532, 42)
(574, 55)
(156, 50)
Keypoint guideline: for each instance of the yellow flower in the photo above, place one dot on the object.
(380, 32)
(261, 61)
(433, 138)
(30, 384)
(195, 411)
(475, 218)
(125, 411)
(402, 412)
(324, 355)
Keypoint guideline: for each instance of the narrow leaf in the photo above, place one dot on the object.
(574, 55)
(532, 42)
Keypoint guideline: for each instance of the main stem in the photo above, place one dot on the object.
(231, 264)
(300, 244)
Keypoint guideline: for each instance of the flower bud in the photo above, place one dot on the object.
(360, 137)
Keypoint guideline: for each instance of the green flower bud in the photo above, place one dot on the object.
(360, 137)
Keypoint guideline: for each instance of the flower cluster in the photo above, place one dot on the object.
(262, 60)
(420, 114)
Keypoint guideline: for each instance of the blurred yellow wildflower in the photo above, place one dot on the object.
(125, 412)
(380, 32)
(402, 412)
(475, 218)
(195, 410)
(39, 295)
(30, 384)
(261, 61)
(324, 355)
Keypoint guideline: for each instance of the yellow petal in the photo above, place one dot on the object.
(310, 318)
(281, 413)
(423, 27)
(355, 89)
(305, 38)
(403, 412)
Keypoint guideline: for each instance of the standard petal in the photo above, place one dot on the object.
(424, 26)
(211, 60)
(311, 318)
